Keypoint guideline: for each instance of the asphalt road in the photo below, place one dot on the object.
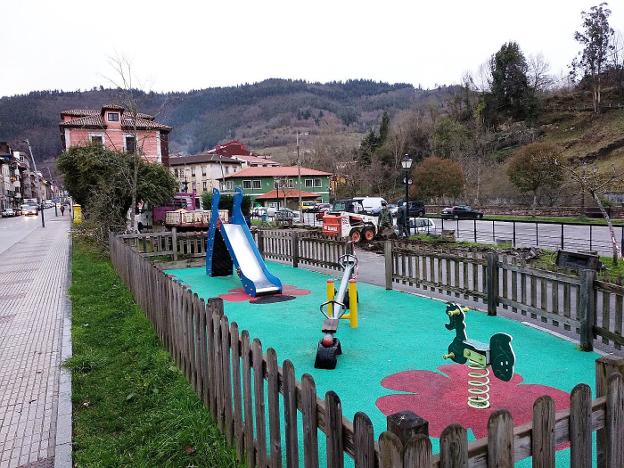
(545, 235)
(13, 230)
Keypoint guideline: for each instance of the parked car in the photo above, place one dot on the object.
(286, 216)
(372, 205)
(350, 205)
(307, 206)
(260, 211)
(322, 207)
(416, 208)
(8, 213)
(30, 210)
(460, 212)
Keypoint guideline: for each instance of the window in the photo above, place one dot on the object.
(130, 144)
(257, 184)
(193, 171)
(177, 173)
(113, 116)
(204, 171)
(291, 183)
(317, 182)
(204, 186)
(194, 185)
(96, 139)
(227, 185)
(309, 182)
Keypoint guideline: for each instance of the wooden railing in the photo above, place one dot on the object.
(241, 385)
(578, 305)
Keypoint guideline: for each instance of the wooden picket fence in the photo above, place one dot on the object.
(254, 399)
(582, 305)
(295, 247)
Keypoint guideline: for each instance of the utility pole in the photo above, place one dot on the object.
(41, 205)
(299, 175)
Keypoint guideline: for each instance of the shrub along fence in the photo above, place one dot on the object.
(242, 385)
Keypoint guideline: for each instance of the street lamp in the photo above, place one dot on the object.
(406, 163)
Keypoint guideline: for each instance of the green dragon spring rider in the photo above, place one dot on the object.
(479, 356)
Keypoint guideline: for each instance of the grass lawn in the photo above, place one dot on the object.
(131, 405)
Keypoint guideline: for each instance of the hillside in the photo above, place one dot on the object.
(567, 121)
(264, 115)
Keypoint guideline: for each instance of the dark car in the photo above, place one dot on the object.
(460, 212)
(416, 208)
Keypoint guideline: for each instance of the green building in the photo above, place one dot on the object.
(279, 186)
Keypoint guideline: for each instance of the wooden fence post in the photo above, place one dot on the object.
(500, 440)
(614, 422)
(294, 238)
(406, 424)
(587, 309)
(260, 241)
(492, 282)
(606, 366)
(174, 240)
(388, 263)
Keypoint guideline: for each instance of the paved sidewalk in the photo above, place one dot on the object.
(35, 425)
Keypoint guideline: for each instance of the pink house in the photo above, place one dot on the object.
(117, 129)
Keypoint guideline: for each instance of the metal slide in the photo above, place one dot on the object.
(254, 274)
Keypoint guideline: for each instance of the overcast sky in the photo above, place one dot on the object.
(183, 44)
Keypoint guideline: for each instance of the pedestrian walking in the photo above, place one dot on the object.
(62, 210)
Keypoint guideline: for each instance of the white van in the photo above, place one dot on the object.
(373, 205)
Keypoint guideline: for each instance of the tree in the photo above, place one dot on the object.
(99, 180)
(596, 182)
(538, 73)
(510, 87)
(595, 39)
(437, 177)
(534, 167)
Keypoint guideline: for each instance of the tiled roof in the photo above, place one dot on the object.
(256, 160)
(87, 121)
(142, 124)
(279, 171)
(80, 112)
(286, 193)
(85, 112)
(113, 106)
(127, 123)
(201, 158)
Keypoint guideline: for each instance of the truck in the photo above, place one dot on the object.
(181, 200)
(195, 219)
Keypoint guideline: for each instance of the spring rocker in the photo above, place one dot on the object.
(334, 310)
(479, 356)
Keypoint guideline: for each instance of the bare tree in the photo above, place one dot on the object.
(539, 76)
(124, 82)
(596, 182)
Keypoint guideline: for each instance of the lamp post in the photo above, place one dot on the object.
(41, 205)
(299, 169)
(406, 163)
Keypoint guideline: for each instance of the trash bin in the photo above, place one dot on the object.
(77, 213)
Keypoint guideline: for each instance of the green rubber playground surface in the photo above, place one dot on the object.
(401, 338)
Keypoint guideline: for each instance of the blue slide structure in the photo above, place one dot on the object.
(232, 244)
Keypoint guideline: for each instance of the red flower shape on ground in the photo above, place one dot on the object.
(239, 294)
(440, 398)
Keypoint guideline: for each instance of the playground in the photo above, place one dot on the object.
(393, 360)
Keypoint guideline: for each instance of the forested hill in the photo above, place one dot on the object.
(263, 115)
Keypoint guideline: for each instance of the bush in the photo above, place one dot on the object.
(226, 202)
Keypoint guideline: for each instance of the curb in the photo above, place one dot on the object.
(63, 444)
